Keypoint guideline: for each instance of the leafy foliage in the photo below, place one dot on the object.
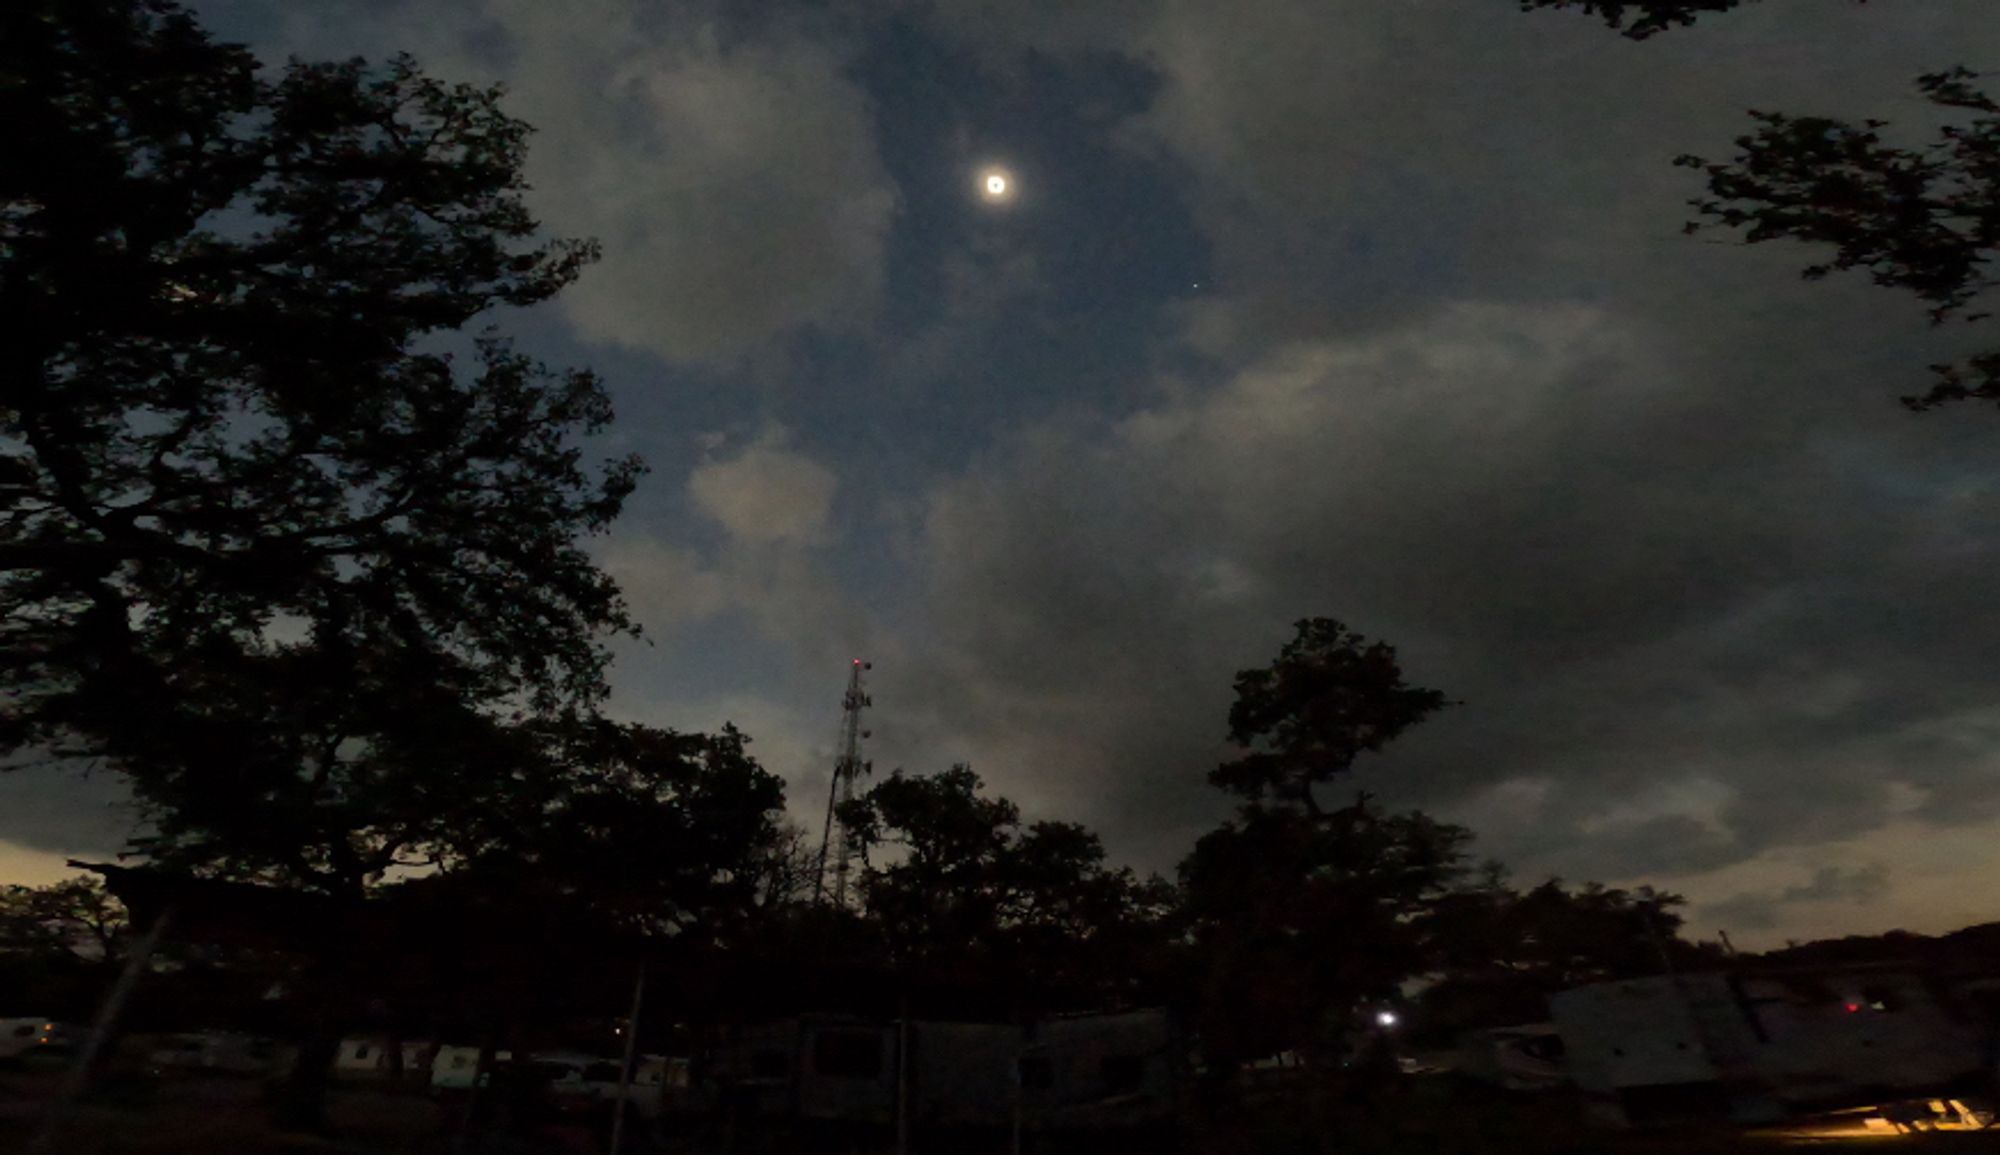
(1331, 696)
(660, 832)
(1299, 918)
(326, 769)
(74, 918)
(967, 886)
(1497, 953)
(274, 537)
(1639, 19)
(221, 423)
(1923, 218)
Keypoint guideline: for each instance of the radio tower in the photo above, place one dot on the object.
(834, 844)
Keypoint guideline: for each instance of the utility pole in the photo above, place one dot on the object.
(836, 848)
(78, 1077)
(625, 1069)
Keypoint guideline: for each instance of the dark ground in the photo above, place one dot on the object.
(226, 1116)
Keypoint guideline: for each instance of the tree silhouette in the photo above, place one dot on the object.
(278, 538)
(656, 832)
(235, 421)
(1300, 918)
(1639, 19)
(75, 919)
(957, 884)
(1923, 218)
(1497, 953)
(1300, 913)
(1331, 696)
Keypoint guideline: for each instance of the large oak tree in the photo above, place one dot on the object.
(276, 532)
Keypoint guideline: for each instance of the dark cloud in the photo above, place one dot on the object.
(64, 809)
(1644, 502)
(1830, 884)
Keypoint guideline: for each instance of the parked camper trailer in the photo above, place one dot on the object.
(217, 1053)
(1084, 1071)
(1102, 1071)
(34, 1035)
(370, 1059)
(1760, 1047)
(1528, 1057)
(453, 1067)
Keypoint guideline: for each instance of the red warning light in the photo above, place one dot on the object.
(1854, 1008)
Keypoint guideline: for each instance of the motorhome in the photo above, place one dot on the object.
(453, 1068)
(1526, 1057)
(217, 1053)
(1083, 1071)
(35, 1034)
(1761, 1046)
(370, 1058)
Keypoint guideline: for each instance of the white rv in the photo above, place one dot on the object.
(1102, 1071)
(1084, 1071)
(217, 1053)
(453, 1068)
(1759, 1047)
(36, 1035)
(369, 1059)
(1528, 1057)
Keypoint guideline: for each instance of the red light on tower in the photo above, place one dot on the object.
(1854, 1008)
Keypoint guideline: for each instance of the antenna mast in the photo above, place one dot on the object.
(836, 847)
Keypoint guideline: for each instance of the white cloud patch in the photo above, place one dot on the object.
(767, 493)
(736, 188)
(731, 174)
(665, 585)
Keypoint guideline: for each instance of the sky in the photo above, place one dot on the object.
(1377, 310)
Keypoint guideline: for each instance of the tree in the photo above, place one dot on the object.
(1300, 913)
(241, 466)
(1301, 918)
(1497, 953)
(660, 833)
(1639, 19)
(970, 890)
(277, 540)
(785, 867)
(943, 896)
(1924, 218)
(1331, 696)
(75, 919)
(323, 769)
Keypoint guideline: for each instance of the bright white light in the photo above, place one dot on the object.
(996, 185)
(1385, 1018)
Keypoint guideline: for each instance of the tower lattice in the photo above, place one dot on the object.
(837, 850)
